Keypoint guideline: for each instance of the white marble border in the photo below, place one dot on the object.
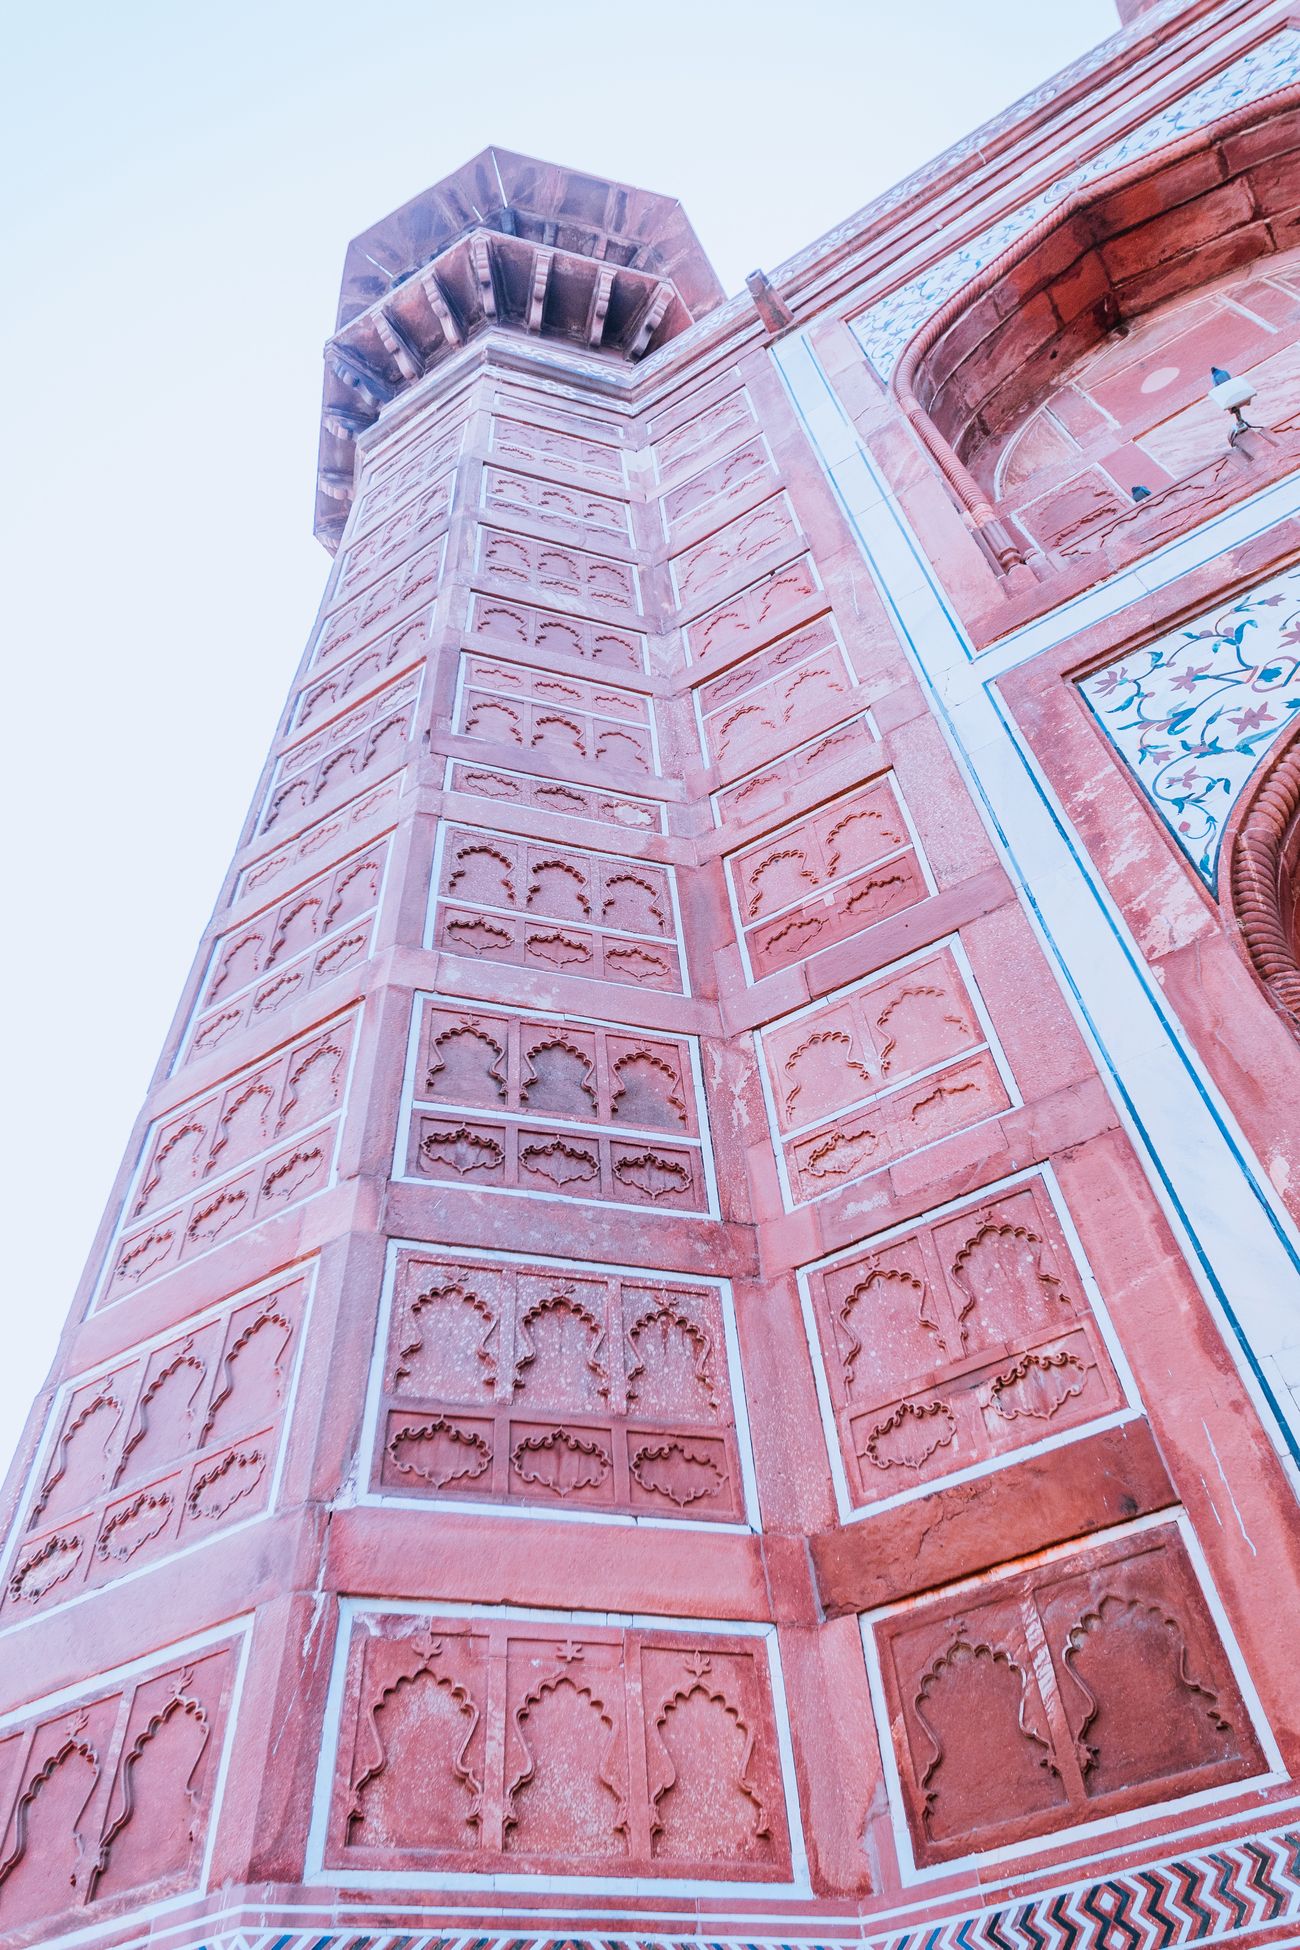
(1239, 1240)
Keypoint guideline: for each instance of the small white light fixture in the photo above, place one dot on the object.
(1233, 395)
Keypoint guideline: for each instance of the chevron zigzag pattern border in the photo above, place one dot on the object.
(1206, 1896)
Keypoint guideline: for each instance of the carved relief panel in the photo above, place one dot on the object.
(551, 796)
(324, 839)
(110, 1796)
(283, 952)
(765, 534)
(713, 430)
(527, 440)
(559, 1386)
(755, 614)
(513, 625)
(390, 600)
(388, 482)
(260, 1142)
(877, 1071)
(571, 1109)
(774, 698)
(562, 909)
(557, 1745)
(708, 498)
(1098, 1679)
(364, 743)
(556, 572)
(957, 1342)
(174, 1443)
(398, 535)
(556, 507)
(827, 877)
(765, 790)
(321, 697)
(560, 718)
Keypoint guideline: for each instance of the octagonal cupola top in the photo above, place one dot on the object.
(506, 241)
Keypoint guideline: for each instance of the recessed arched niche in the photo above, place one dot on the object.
(1064, 391)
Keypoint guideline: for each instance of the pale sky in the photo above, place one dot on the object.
(184, 181)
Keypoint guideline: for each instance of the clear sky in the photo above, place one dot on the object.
(182, 182)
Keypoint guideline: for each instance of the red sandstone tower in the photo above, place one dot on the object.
(697, 1337)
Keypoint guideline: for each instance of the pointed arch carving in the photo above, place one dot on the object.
(700, 1682)
(182, 1702)
(184, 1358)
(269, 1317)
(427, 1649)
(74, 1747)
(103, 1400)
(969, 1647)
(668, 1318)
(554, 1684)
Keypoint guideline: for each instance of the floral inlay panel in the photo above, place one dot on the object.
(1192, 713)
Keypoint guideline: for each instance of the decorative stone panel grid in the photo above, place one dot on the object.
(956, 1342)
(385, 603)
(763, 792)
(711, 431)
(554, 716)
(559, 909)
(323, 840)
(170, 1445)
(282, 953)
(774, 698)
(111, 1793)
(225, 1160)
(556, 507)
(1097, 1677)
(557, 1107)
(556, 571)
(322, 697)
(479, 1744)
(552, 796)
(514, 625)
(370, 740)
(754, 615)
(389, 483)
(529, 441)
(706, 499)
(565, 1387)
(877, 1071)
(732, 553)
(395, 537)
(826, 877)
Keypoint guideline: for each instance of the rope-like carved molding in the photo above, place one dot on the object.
(1256, 881)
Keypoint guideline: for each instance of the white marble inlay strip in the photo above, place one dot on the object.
(1239, 1240)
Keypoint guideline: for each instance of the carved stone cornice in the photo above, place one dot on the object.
(505, 242)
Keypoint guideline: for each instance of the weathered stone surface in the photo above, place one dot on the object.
(634, 1379)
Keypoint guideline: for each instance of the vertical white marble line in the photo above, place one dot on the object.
(1240, 1242)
